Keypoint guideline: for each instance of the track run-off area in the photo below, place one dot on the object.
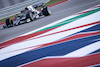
(69, 37)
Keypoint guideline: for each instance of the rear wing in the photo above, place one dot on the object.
(39, 5)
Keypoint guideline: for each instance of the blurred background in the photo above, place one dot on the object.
(5, 3)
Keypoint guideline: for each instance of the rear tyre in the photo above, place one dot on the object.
(46, 11)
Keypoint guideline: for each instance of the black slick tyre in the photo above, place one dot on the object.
(46, 11)
(8, 21)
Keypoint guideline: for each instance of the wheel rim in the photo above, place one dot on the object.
(31, 16)
(49, 11)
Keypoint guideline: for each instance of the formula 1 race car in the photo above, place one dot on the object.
(29, 14)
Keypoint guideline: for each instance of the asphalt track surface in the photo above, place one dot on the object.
(60, 11)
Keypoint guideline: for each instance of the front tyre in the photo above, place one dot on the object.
(9, 23)
(46, 11)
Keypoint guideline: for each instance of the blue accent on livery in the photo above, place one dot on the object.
(54, 50)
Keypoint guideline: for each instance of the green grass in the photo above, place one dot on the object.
(47, 4)
(3, 20)
(52, 2)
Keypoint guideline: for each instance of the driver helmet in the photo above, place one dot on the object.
(26, 8)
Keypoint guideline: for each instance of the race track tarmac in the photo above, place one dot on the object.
(60, 11)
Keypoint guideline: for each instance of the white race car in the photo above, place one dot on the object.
(29, 14)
